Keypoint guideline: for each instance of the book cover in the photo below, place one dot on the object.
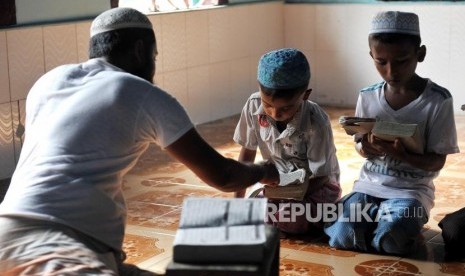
(219, 230)
(295, 191)
(353, 125)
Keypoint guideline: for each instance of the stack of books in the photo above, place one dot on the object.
(219, 230)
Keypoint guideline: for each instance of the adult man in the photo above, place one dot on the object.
(86, 126)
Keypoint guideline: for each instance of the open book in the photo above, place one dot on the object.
(353, 125)
(293, 185)
(221, 230)
(409, 134)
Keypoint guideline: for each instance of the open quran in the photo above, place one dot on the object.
(292, 185)
(221, 230)
(409, 134)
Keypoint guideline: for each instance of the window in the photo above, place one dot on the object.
(168, 5)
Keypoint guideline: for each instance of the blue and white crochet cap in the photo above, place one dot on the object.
(119, 18)
(395, 22)
(286, 68)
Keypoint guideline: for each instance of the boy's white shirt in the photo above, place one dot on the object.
(386, 177)
(306, 143)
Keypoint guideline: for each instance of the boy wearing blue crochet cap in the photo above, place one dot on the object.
(293, 133)
(395, 188)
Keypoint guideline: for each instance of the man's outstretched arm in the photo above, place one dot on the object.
(216, 170)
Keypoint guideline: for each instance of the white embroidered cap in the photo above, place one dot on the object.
(119, 18)
(395, 22)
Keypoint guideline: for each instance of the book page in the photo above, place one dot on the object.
(394, 129)
(295, 177)
(408, 134)
(201, 213)
(245, 211)
(221, 230)
(212, 212)
(223, 235)
(388, 131)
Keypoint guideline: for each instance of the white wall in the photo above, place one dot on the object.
(334, 37)
(207, 60)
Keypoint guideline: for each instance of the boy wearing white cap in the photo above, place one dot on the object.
(395, 186)
(86, 126)
(293, 133)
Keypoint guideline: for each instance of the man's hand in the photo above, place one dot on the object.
(271, 174)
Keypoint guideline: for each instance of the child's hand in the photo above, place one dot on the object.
(369, 146)
(395, 149)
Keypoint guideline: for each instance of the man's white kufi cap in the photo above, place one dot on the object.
(395, 22)
(119, 18)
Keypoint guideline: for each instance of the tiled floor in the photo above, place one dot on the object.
(155, 189)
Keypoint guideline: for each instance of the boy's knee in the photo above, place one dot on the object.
(344, 240)
(344, 235)
(396, 240)
(394, 245)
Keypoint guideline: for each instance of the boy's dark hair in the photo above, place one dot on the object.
(118, 42)
(391, 38)
(282, 93)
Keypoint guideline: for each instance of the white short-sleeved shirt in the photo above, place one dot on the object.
(86, 126)
(386, 177)
(307, 142)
